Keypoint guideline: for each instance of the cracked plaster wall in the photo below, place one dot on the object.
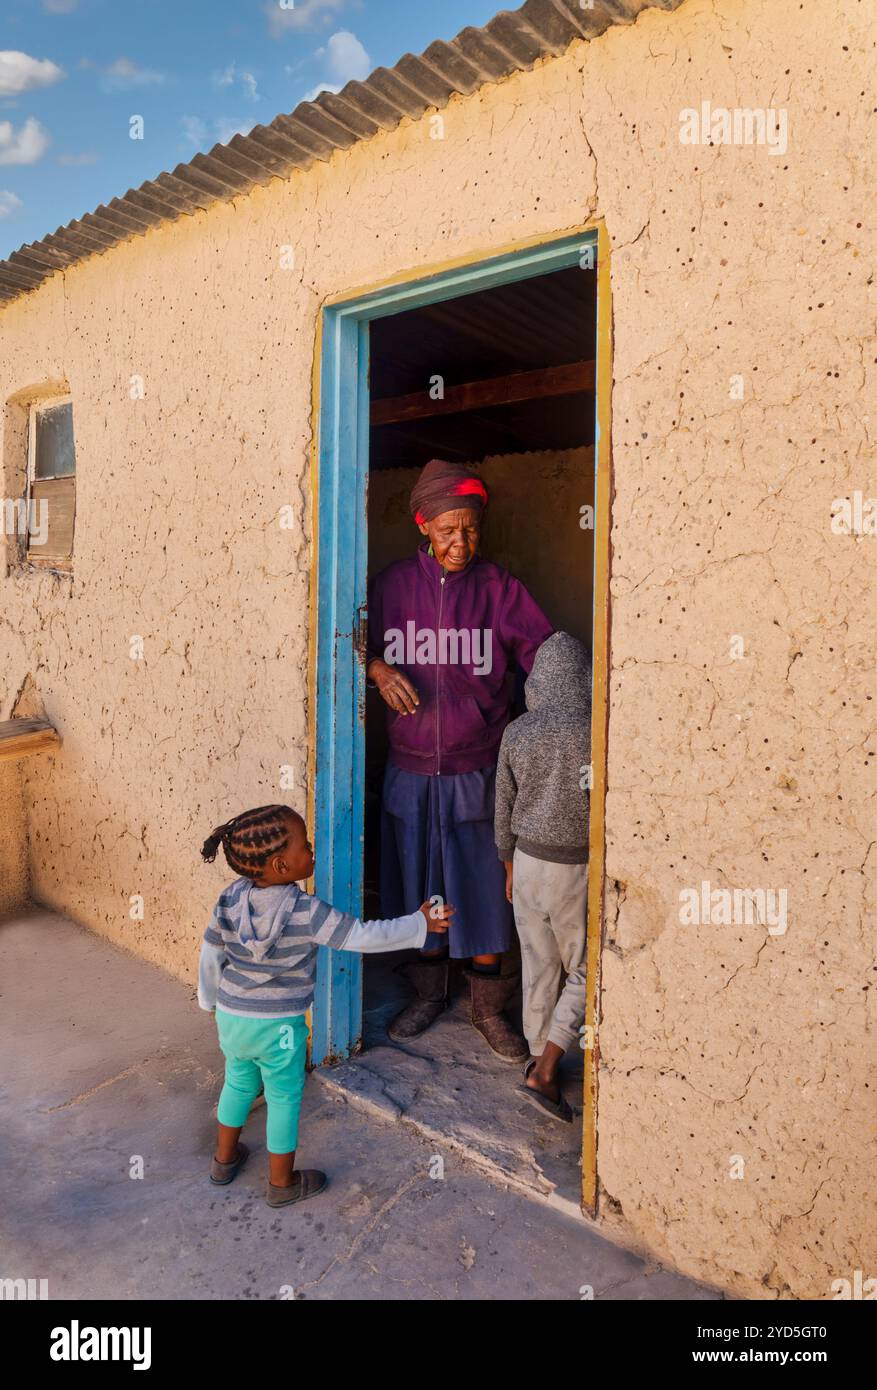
(716, 1041)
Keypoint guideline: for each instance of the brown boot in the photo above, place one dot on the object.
(430, 981)
(490, 994)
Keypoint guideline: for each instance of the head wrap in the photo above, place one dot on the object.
(446, 487)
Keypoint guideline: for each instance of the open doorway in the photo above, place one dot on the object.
(501, 380)
(494, 365)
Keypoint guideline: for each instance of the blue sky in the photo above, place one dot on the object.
(74, 72)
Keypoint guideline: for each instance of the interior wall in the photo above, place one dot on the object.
(742, 329)
(532, 527)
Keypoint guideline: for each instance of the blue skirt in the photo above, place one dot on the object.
(437, 838)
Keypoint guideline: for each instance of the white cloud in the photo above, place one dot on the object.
(75, 161)
(227, 126)
(306, 14)
(9, 203)
(230, 75)
(123, 75)
(194, 130)
(348, 60)
(21, 73)
(321, 87)
(221, 129)
(23, 146)
(60, 6)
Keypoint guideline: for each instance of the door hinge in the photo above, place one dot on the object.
(360, 633)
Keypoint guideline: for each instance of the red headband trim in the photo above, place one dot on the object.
(470, 485)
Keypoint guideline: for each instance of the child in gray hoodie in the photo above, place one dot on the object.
(541, 831)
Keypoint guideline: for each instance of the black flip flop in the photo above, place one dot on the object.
(557, 1109)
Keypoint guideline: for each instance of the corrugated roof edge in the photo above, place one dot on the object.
(513, 41)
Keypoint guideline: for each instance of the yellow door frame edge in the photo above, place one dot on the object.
(599, 722)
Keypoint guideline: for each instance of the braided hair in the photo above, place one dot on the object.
(250, 839)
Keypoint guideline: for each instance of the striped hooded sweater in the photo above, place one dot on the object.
(259, 952)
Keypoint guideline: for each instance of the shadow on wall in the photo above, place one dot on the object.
(13, 840)
(25, 734)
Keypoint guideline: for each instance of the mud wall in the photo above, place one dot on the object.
(741, 732)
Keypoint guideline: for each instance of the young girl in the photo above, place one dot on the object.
(257, 969)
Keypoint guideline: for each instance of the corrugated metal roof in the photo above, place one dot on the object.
(511, 42)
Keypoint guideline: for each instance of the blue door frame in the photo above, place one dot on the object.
(341, 459)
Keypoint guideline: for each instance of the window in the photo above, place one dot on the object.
(51, 484)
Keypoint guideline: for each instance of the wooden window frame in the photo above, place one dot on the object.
(35, 561)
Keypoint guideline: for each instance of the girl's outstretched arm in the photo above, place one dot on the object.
(397, 933)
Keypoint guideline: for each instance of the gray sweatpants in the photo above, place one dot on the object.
(550, 902)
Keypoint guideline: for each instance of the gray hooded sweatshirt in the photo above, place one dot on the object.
(543, 771)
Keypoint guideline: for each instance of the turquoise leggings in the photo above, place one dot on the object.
(269, 1051)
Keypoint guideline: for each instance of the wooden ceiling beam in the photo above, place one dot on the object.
(477, 395)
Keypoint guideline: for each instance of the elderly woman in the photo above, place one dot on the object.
(446, 629)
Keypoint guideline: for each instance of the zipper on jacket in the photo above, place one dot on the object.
(438, 672)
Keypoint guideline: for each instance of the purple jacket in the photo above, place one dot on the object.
(457, 640)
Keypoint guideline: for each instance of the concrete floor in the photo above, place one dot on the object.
(448, 1086)
(107, 1061)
